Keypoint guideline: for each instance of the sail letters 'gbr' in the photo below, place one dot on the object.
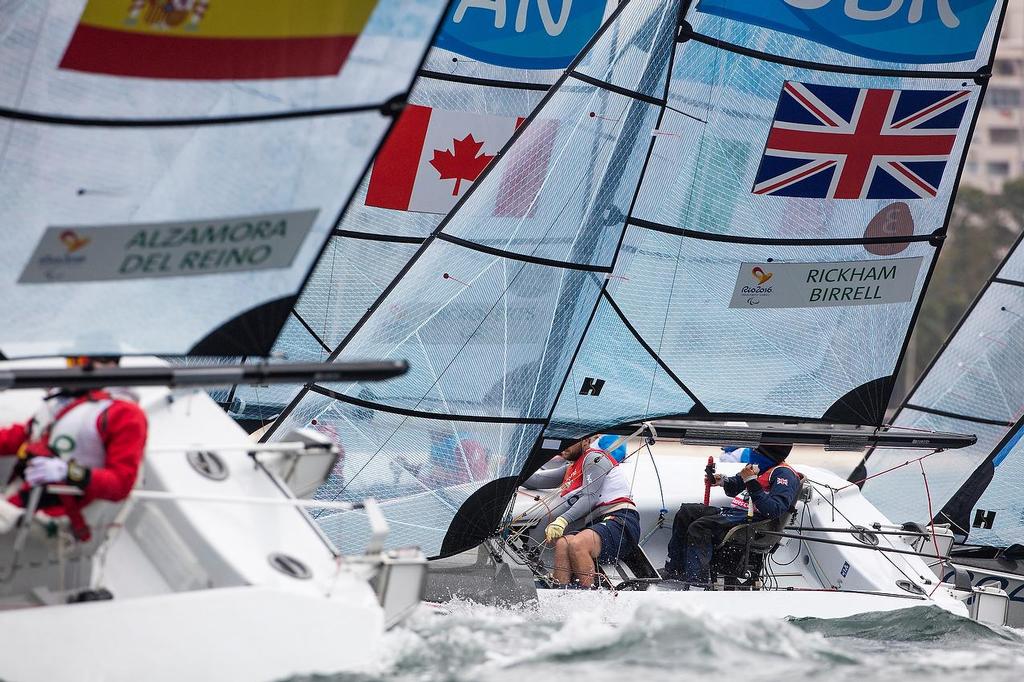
(910, 31)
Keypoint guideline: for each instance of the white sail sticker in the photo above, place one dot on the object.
(824, 285)
(179, 249)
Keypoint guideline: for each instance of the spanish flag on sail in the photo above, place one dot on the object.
(216, 39)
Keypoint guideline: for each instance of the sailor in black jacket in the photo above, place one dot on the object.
(767, 482)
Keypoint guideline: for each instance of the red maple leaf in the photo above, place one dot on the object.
(465, 164)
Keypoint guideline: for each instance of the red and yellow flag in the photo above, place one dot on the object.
(216, 39)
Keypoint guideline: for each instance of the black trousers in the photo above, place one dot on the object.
(696, 530)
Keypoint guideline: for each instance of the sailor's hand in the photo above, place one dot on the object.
(749, 472)
(555, 529)
(43, 470)
(715, 479)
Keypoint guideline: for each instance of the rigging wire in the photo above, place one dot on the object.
(931, 525)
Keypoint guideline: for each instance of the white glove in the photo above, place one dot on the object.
(43, 470)
(749, 472)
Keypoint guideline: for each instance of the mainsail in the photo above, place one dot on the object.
(712, 214)
(485, 74)
(170, 171)
(975, 383)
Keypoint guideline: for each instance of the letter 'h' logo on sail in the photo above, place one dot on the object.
(592, 386)
(983, 519)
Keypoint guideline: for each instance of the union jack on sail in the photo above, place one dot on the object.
(830, 142)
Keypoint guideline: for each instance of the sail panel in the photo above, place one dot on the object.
(349, 278)
(476, 329)
(614, 381)
(981, 371)
(924, 35)
(208, 226)
(760, 149)
(589, 144)
(1013, 267)
(1000, 507)
(104, 59)
(685, 297)
(103, 213)
(420, 470)
(900, 494)
(623, 56)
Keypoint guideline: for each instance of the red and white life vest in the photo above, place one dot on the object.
(742, 501)
(614, 489)
(68, 429)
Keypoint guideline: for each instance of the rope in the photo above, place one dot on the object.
(886, 471)
(931, 525)
(663, 512)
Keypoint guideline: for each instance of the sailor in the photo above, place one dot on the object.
(593, 489)
(92, 440)
(767, 482)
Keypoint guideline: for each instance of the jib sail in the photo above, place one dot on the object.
(976, 384)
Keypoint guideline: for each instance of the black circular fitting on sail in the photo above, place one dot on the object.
(685, 31)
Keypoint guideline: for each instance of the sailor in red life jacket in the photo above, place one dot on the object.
(766, 481)
(592, 489)
(92, 440)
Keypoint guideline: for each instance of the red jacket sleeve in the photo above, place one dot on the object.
(12, 438)
(124, 437)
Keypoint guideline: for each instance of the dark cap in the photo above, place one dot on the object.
(777, 453)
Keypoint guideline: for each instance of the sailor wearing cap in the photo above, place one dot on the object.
(767, 482)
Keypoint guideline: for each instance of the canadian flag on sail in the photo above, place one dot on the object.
(433, 156)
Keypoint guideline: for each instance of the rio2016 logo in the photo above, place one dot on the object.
(521, 34)
(901, 31)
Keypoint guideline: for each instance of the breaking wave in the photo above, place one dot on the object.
(465, 642)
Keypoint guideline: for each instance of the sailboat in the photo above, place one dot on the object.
(975, 381)
(169, 175)
(665, 238)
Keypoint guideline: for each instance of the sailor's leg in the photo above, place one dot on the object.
(701, 537)
(563, 565)
(687, 514)
(584, 548)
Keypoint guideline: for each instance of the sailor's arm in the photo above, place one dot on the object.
(12, 438)
(125, 440)
(733, 485)
(546, 478)
(780, 496)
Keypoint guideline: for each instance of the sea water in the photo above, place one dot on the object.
(474, 643)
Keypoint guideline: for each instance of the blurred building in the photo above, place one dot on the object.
(997, 152)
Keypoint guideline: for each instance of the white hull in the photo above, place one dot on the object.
(619, 606)
(241, 633)
(828, 573)
(196, 593)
